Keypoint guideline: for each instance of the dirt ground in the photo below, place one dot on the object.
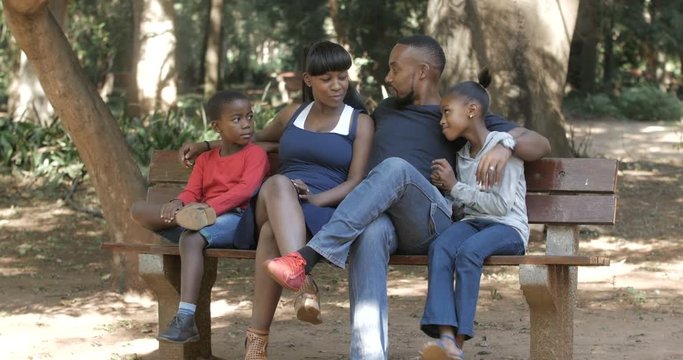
(56, 303)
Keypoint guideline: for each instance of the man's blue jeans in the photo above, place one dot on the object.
(461, 250)
(416, 208)
(394, 192)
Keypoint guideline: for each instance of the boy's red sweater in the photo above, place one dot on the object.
(227, 182)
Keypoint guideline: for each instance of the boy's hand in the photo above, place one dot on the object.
(443, 176)
(491, 166)
(169, 210)
(189, 152)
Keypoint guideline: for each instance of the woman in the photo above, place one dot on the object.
(324, 148)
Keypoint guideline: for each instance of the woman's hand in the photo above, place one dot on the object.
(443, 176)
(169, 210)
(305, 193)
(301, 188)
(189, 152)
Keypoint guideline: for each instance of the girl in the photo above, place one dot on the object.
(222, 182)
(495, 221)
(324, 148)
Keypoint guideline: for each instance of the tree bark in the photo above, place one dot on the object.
(155, 70)
(27, 100)
(525, 44)
(214, 55)
(583, 58)
(100, 143)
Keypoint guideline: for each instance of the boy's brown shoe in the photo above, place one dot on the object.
(195, 216)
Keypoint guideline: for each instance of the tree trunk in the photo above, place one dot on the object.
(88, 122)
(583, 58)
(213, 48)
(525, 43)
(608, 67)
(155, 70)
(27, 100)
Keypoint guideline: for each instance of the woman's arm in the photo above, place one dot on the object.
(270, 133)
(361, 153)
(274, 128)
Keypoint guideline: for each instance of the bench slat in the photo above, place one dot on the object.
(541, 209)
(165, 168)
(572, 175)
(545, 175)
(578, 260)
(571, 209)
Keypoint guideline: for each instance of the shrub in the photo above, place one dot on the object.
(648, 103)
(591, 105)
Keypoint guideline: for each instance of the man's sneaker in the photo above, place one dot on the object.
(180, 330)
(288, 271)
(195, 216)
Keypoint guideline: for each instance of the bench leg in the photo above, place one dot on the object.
(550, 292)
(162, 274)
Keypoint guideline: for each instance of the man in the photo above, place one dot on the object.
(374, 221)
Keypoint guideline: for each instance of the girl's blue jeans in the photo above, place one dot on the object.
(460, 252)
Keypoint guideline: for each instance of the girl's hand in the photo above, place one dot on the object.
(169, 210)
(443, 176)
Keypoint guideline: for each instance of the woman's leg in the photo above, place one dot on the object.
(278, 204)
(266, 291)
(148, 215)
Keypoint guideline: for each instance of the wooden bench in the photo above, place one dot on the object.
(561, 193)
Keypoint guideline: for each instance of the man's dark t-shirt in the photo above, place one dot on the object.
(413, 133)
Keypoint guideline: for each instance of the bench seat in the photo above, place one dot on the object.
(576, 260)
(561, 194)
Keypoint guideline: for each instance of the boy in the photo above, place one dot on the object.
(211, 206)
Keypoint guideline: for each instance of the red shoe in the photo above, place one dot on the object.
(288, 271)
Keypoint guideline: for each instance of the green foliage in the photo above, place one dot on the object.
(592, 105)
(648, 103)
(100, 33)
(49, 152)
(44, 151)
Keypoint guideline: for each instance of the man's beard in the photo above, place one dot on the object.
(406, 100)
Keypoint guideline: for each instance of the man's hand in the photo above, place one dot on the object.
(491, 166)
(189, 152)
(443, 176)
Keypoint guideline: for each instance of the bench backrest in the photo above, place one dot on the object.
(559, 190)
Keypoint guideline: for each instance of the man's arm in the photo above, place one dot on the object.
(530, 146)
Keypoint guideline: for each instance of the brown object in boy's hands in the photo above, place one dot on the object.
(195, 216)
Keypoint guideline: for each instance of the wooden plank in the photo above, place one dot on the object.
(572, 175)
(571, 209)
(164, 192)
(165, 167)
(578, 260)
